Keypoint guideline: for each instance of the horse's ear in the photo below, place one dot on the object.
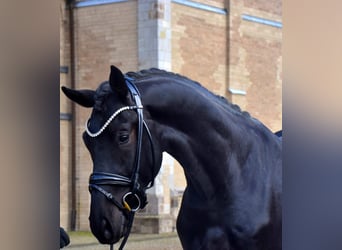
(83, 97)
(117, 82)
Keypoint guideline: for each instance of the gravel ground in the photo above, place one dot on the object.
(86, 241)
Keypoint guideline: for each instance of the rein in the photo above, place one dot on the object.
(135, 199)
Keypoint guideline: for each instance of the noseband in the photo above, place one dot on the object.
(135, 199)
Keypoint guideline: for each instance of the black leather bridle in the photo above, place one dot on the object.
(135, 199)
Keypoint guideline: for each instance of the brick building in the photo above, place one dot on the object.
(231, 47)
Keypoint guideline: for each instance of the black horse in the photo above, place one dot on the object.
(232, 162)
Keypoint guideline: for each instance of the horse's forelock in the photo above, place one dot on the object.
(101, 92)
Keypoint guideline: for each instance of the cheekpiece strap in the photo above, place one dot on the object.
(136, 96)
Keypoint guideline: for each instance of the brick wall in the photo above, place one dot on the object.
(105, 34)
(255, 60)
(199, 46)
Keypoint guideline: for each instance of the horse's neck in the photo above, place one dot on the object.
(198, 133)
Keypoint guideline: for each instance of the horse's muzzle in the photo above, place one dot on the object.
(106, 232)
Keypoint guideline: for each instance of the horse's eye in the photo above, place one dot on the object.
(123, 138)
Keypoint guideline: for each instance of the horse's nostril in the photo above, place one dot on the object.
(107, 230)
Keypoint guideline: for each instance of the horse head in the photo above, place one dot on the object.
(124, 155)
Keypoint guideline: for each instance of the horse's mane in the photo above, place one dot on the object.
(152, 72)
